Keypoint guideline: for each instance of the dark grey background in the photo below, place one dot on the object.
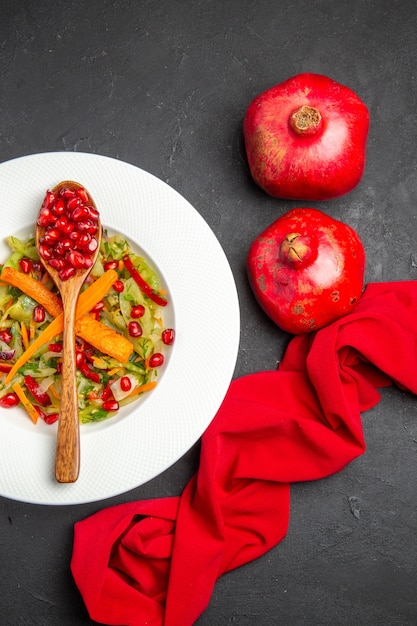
(164, 86)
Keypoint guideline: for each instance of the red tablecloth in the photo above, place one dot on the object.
(156, 562)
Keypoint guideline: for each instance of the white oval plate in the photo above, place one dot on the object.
(145, 438)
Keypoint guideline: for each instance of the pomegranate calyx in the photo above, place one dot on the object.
(298, 250)
(306, 120)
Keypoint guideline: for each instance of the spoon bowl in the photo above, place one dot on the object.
(67, 209)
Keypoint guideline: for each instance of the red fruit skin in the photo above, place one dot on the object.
(304, 294)
(319, 163)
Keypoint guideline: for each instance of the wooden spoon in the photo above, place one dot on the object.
(67, 459)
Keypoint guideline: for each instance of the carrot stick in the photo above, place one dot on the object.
(143, 388)
(33, 288)
(86, 301)
(26, 402)
(104, 338)
(54, 392)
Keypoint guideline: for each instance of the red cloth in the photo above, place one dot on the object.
(156, 562)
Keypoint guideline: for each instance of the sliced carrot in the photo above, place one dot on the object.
(143, 388)
(27, 404)
(146, 362)
(86, 301)
(104, 339)
(33, 288)
(24, 334)
(54, 392)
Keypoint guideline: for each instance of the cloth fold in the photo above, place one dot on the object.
(156, 561)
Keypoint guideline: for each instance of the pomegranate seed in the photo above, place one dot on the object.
(83, 240)
(79, 358)
(111, 265)
(55, 347)
(73, 203)
(76, 259)
(88, 226)
(45, 252)
(107, 393)
(137, 311)
(98, 307)
(168, 336)
(45, 217)
(118, 286)
(135, 329)
(74, 235)
(92, 246)
(38, 314)
(51, 418)
(59, 250)
(66, 273)
(125, 383)
(82, 194)
(26, 265)
(80, 212)
(110, 405)
(5, 336)
(67, 193)
(67, 244)
(57, 264)
(59, 367)
(83, 225)
(58, 207)
(94, 214)
(49, 200)
(61, 223)
(156, 360)
(50, 236)
(68, 228)
(88, 262)
(9, 400)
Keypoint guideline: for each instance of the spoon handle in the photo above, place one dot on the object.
(67, 459)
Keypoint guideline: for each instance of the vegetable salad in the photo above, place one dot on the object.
(121, 339)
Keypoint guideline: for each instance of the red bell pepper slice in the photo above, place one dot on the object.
(50, 418)
(89, 373)
(149, 291)
(40, 396)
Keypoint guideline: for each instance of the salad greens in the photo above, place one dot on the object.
(126, 311)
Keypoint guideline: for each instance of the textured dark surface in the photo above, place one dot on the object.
(164, 86)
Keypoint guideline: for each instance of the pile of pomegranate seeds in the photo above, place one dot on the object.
(71, 226)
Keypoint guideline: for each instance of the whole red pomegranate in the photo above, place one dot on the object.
(306, 138)
(306, 270)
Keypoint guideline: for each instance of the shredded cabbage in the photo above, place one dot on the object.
(101, 391)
